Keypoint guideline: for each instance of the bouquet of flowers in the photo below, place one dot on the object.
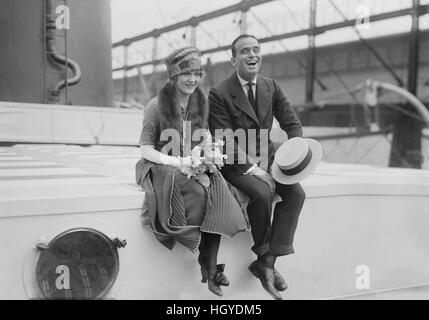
(205, 158)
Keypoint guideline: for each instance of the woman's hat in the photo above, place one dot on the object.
(183, 60)
(295, 160)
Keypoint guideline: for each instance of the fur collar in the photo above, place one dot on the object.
(170, 110)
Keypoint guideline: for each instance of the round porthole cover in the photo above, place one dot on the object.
(77, 264)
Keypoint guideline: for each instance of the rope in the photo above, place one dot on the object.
(384, 63)
(292, 55)
(368, 150)
(96, 136)
(209, 35)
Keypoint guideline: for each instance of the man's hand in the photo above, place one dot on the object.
(264, 176)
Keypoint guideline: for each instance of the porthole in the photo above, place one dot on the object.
(79, 263)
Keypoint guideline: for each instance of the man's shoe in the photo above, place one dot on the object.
(279, 281)
(266, 276)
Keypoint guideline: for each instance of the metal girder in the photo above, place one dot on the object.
(311, 55)
(244, 5)
(406, 148)
(413, 60)
(423, 9)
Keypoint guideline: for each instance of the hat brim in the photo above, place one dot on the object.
(316, 149)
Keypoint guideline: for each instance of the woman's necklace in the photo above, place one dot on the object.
(183, 106)
(184, 116)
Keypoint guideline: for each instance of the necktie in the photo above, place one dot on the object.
(251, 97)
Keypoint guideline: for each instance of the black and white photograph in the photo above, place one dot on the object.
(228, 152)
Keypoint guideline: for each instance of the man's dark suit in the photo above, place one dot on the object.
(231, 109)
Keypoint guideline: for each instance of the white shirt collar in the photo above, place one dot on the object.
(244, 82)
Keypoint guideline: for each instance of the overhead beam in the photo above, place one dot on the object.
(423, 9)
(348, 23)
(244, 5)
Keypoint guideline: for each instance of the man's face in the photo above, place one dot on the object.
(248, 59)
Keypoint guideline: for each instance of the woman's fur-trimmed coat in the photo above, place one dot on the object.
(171, 113)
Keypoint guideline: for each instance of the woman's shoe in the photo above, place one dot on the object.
(214, 286)
(212, 280)
(220, 276)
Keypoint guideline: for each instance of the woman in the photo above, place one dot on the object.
(181, 209)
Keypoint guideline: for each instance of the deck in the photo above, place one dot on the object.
(354, 215)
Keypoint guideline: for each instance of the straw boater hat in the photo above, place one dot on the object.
(295, 160)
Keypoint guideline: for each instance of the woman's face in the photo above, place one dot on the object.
(187, 82)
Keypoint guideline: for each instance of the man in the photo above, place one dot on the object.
(249, 101)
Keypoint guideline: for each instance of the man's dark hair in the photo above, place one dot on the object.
(241, 36)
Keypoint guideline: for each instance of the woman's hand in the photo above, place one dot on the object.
(174, 162)
(186, 161)
(181, 163)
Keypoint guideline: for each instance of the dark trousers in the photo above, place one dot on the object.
(277, 237)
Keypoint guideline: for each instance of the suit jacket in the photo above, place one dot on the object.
(231, 109)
